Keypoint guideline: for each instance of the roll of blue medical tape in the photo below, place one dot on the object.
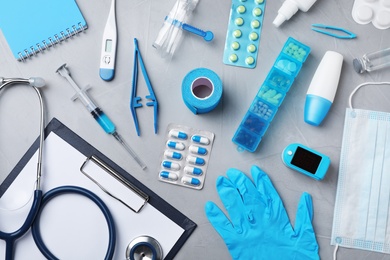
(201, 90)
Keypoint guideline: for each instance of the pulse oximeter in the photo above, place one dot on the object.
(306, 161)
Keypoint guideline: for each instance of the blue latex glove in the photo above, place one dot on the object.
(259, 227)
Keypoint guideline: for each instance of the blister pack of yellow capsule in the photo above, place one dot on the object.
(243, 34)
(186, 156)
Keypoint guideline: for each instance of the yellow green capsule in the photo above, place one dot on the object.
(249, 60)
(251, 48)
(239, 21)
(241, 9)
(233, 57)
(257, 11)
(255, 24)
(253, 36)
(235, 45)
(259, 2)
(237, 33)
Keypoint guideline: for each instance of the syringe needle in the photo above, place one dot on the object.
(107, 125)
(129, 150)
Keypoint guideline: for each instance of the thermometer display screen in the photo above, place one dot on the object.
(306, 160)
(108, 45)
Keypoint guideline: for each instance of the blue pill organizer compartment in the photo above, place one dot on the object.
(186, 156)
(243, 34)
(271, 95)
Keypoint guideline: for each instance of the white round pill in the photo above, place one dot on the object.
(382, 20)
(364, 14)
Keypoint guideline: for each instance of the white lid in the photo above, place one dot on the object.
(280, 18)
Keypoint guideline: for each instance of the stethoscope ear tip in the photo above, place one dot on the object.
(36, 82)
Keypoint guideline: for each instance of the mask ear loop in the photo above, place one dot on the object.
(362, 85)
(335, 252)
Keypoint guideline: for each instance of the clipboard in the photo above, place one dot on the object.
(64, 154)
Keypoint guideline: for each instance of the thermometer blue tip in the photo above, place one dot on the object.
(107, 74)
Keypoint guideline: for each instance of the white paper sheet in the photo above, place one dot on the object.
(72, 226)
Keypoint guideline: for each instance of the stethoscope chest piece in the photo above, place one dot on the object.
(144, 248)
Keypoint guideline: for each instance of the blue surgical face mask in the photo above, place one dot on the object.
(362, 206)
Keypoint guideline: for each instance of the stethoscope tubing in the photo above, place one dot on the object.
(12, 81)
(80, 191)
(10, 238)
(41, 200)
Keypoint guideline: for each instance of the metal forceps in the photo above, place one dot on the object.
(134, 98)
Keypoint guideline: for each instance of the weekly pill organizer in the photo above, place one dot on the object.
(243, 34)
(270, 95)
(185, 157)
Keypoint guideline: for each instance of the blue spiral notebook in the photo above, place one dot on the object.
(34, 26)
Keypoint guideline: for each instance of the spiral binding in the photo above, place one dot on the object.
(51, 41)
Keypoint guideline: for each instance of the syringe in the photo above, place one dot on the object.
(107, 125)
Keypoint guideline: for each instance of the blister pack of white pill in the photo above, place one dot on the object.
(186, 155)
(375, 11)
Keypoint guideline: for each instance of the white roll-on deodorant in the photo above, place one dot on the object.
(323, 87)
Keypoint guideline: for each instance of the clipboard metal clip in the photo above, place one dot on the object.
(119, 178)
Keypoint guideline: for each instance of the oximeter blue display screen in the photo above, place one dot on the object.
(306, 160)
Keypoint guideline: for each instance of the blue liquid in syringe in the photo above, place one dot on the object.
(103, 121)
(109, 128)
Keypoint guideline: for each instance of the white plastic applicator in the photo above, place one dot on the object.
(289, 8)
(323, 87)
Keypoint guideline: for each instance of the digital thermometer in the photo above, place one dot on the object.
(109, 43)
(305, 160)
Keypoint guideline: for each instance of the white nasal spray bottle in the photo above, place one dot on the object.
(323, 87)
(289, 8)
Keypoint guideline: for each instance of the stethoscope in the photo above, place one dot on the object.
(40, 200)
